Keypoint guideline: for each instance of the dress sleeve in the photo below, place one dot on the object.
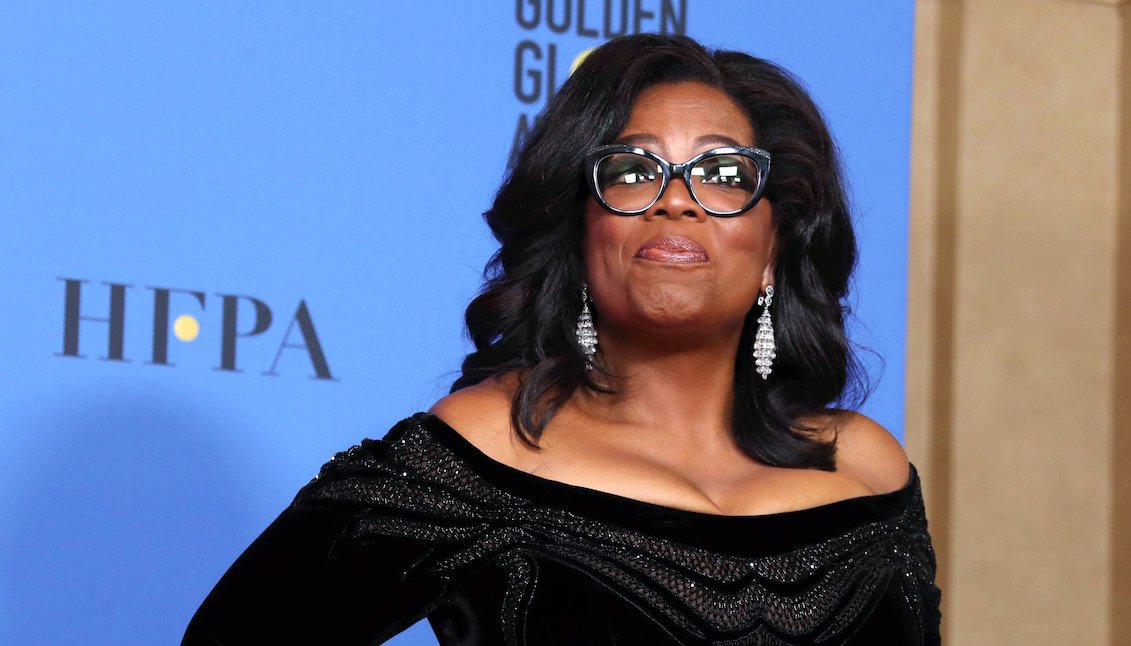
(316, 575)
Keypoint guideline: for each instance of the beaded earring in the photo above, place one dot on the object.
(764, 350)
(586, 333)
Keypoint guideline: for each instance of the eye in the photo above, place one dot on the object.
(627, 169)
(727, 171)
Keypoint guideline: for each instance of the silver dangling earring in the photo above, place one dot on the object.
(764, 351)
(586, 333)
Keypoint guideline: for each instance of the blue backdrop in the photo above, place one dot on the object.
(216, 277)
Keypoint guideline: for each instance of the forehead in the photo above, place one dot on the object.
(683, 116)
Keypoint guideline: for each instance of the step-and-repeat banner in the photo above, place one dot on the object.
(239, 237)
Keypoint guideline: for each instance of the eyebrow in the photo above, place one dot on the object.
(643, 138)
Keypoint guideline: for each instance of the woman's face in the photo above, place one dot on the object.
(675, 266)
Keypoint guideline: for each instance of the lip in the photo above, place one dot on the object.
(673, 249)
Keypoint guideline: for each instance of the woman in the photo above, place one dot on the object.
(641, 448)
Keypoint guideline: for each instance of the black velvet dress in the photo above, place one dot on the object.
(422, 523)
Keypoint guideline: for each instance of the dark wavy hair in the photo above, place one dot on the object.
(525, 316)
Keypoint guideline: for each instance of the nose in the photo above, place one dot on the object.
(676, 202)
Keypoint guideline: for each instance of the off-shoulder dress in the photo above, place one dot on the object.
(423, 524)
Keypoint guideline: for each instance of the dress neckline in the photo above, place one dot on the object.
(819, 522)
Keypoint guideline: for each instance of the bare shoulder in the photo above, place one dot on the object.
(868, 452)
(481, 414)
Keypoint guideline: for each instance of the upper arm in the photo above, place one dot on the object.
(868, 452)
(313, 577)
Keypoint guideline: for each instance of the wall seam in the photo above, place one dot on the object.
(950, 58)
(1119, 544)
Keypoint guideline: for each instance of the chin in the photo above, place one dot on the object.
(676, 305)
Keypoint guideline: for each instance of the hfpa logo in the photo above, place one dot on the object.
(186, 328)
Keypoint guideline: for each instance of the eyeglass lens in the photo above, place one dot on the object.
(723, 183)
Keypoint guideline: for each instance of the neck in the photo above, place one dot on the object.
(681, 384)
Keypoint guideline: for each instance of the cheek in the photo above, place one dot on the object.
(750, 243)
(747, 238)
(605, 237)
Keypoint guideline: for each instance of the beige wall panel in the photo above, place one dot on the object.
(1033, 323)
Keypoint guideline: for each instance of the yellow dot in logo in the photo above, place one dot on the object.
(186, 328)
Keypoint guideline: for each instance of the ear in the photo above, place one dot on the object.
(771, 263)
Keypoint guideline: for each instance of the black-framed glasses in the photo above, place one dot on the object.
(724, 181)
